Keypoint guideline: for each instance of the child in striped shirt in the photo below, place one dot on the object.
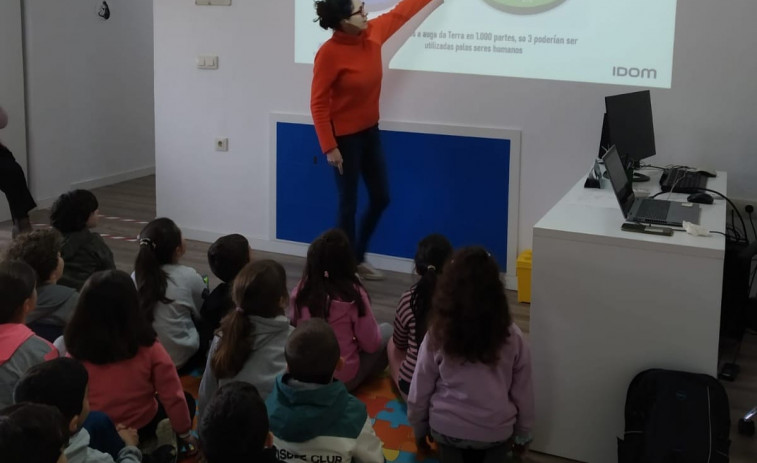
(410, 321)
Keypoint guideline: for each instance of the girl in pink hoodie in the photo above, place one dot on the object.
(330, 289)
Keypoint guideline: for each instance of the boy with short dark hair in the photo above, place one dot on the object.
(313, 417)
(32, 433)
(226, 256)
(55, 303)
(234, 427)
(74, 214)
(62, 383)
(20, 348)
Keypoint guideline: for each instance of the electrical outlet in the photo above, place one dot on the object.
(222, 144)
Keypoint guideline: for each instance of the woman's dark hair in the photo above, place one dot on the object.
(60, 382)
(235, 425)
(259, 289)
(107, 325)
(330, 273)
(71, 210)
(228, 255)
(157, 247)
(430, 258)
(40, 249)
(17, 283)
(332, 12)
(470, 317)
(32, 433)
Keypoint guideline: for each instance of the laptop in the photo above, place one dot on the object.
(654, 211)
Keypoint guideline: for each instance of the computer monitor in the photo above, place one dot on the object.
(629, 118)
(628, 125)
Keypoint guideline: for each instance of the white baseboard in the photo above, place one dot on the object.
(45, 203)
(113, 179)
(292, 248)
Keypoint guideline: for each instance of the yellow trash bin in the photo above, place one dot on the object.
(523, 272)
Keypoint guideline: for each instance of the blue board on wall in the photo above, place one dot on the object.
(449, 184)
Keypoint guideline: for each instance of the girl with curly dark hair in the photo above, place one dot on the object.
(472, 386)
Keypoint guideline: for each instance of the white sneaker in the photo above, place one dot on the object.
(368, 272)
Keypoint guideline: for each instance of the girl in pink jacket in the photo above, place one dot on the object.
(330, 289)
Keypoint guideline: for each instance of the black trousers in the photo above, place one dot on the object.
(362, 156)
(13, 184)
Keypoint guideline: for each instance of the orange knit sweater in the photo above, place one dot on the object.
(344, 97)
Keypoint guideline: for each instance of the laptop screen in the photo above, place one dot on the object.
(619, 180)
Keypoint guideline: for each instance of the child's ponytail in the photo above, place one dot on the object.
(158, 242)
(259, 290)
(235, 344)
(430, 258)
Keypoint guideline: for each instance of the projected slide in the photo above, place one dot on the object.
(625, 42)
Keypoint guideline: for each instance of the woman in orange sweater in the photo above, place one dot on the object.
(344, 102)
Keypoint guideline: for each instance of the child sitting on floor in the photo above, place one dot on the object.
(472, 390)
(331, 290)
(62, 383)
(226, 257)
(20, 348)
(313, 417)
(55, 303)
(32, 433)
(412, 312)
(74, 214)
(131, 377)
(250, 344)
(170, 294)
(234, 427)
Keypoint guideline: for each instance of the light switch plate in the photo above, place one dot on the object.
(213, 2)
(207, 62)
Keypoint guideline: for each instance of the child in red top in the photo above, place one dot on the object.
(127, 366)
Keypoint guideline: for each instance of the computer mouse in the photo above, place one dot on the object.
(700, 198)
(707, 172)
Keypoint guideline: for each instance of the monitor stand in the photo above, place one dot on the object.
(638, 177)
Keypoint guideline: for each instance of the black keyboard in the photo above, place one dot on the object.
(653, 209)
(682, 181)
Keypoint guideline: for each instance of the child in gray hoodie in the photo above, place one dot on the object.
(41, 249)
(250, 344)
(20, 348)
(62, 383)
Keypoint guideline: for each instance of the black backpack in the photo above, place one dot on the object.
(675, 417)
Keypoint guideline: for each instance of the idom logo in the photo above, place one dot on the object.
(636, 73)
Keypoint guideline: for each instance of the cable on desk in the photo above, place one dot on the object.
(733, 209)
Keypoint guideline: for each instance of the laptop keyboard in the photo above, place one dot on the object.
(653, 209)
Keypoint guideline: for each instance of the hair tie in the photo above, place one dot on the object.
(325, 274)
(239, 309)
(431, 267)
(147, 242)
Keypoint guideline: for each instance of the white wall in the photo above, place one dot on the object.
(90, 93)
(12, 85)
(707, 117)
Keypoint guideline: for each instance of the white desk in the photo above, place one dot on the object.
(607, 304)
